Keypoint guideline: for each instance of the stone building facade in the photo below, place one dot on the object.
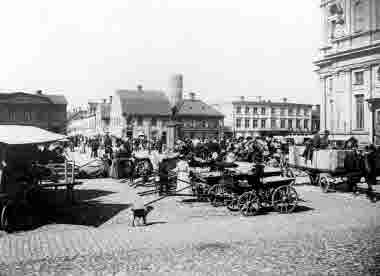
(349, 68)
(263, 117)
(41, 110)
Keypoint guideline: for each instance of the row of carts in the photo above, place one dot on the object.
(229, 187)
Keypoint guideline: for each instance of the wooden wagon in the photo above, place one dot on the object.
(327, 168)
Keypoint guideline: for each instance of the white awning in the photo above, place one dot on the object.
(18, 135)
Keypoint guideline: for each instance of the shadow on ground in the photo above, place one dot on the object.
(50, 206)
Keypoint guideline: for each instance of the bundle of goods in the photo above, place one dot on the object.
(295, 156)
(326, 159)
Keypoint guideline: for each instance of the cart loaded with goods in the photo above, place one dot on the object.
(327, 167)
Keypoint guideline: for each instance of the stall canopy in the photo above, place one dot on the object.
(18, 135)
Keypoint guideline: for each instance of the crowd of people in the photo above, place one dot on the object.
(261, 151)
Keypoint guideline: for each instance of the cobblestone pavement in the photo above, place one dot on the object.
(330, 234)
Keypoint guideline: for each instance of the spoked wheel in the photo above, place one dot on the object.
(324, 183)
(217, 195)
(249, 204)
(285, 199)
(4, 218)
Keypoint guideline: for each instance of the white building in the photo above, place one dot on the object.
(264, 117)
(349, 68)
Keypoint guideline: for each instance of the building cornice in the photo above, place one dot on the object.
(328, 59)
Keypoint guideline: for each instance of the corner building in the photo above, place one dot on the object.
(349, 69)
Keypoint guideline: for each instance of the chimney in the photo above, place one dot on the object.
(39, 92)
(139, 88)
(110, 99)
(284, 100)
(104, 100)
(192, 96)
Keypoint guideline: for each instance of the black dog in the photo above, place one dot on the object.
(141, 214)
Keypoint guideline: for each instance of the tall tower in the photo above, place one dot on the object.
(175, 89)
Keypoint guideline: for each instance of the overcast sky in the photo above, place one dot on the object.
(224, 48)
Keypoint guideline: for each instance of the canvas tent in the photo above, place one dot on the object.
(21, 135)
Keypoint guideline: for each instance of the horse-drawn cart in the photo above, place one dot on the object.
(327, 168)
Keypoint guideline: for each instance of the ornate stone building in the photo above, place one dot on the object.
(349, 68)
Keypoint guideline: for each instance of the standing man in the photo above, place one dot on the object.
(370, 165)
(108, 145)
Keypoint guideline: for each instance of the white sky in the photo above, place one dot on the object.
(224, 48)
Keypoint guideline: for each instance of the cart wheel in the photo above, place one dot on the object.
(249, 204)
(4, 219)
(216, 195)
(324, 183)
(284, 199)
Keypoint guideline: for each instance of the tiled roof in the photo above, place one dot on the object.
(146, 102)
(55, 99)
(197, 108)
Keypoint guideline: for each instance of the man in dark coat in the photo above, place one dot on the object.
(370, 166)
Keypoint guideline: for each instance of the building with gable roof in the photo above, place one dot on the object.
(147, 112)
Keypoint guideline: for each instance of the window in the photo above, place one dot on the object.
(263, 111)
(298, 124)
(154, 122)
(290, 124)
(204, 124)
(298, 111)
(282, 123)
(360, 16)
(238, 109)
(290, 111)
(27, 115)
(282, 112)
(273, 123)
(238, 123)
(12, 115)
(254, 123)
(273, 111)
(247, 110)
(305, 112)
(358, 78)
(306, 124)
(246, 123)
(263, 123)
(255, 110)
(140, 121)
(378, 74)
(359, 111)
